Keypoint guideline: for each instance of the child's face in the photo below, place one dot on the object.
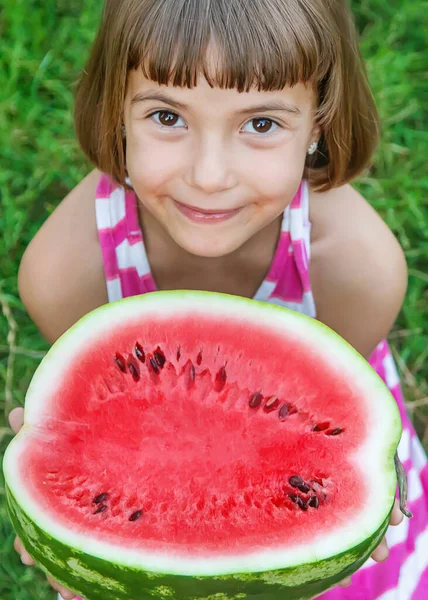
(216, 166)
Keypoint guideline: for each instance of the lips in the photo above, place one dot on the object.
(200, 215)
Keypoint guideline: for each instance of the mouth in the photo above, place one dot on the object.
(200, 215)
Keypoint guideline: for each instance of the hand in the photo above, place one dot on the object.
(16, 420)
(381, 553)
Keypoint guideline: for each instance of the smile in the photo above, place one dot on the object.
(200, 215)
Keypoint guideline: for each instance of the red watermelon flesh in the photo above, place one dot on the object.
(202, 436)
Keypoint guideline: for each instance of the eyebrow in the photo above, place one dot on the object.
(274, 105)
(158, 97)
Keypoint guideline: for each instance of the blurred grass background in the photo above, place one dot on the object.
(43, 46)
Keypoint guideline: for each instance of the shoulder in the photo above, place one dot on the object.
(358, 270)
(61, 275)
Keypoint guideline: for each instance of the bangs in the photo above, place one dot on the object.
(262, 44)
(235, 44)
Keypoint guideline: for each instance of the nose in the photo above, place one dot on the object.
(211, 169)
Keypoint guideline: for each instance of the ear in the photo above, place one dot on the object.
(315, 133)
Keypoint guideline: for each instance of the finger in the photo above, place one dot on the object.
(16, 419)
(25, 557)
(396, 515)
(382, 552)
(65, 593)
(18, 545)
(345, 582)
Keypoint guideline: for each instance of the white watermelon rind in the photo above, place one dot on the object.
(381, 446)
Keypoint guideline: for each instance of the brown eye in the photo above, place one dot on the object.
(262, 125)
(167, 118)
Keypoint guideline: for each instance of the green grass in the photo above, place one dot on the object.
(43, 44)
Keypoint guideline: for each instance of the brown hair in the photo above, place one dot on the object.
(268, 44)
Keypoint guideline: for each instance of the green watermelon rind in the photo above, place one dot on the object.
(96, 579)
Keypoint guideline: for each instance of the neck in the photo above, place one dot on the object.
(241, 272)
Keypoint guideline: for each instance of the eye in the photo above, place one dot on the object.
(167, 118)
(260, 125)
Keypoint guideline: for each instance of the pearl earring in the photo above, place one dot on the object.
(313, 148)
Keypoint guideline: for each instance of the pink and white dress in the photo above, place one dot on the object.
(404, 576)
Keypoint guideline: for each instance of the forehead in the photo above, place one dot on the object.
(297, 100)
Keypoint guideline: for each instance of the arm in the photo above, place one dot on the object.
(358, 270)
(60, 279)
(61, 275)
(359, 278)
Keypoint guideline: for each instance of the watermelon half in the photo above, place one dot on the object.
(197, 445)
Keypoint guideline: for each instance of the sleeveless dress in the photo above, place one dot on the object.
(404, 576)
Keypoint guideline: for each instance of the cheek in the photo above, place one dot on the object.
(151, 165)
(276, 175)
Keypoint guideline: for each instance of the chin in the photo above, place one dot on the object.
(207, 248)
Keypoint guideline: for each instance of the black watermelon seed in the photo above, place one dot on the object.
(222, 375)
(293, 498)
(295, 481)
(271, 403)
(159, 358)
(284, 411)
(255, 400)
(178, 353)
(120, 361)
(100, 498)
(135, 374)
(304, 488)
(220, 379)
(199, 358)
(336, 431)
(314, 502)
(100, 509)
(301, 504)
(139, 352)
(135, 515)
(321, 426)
(189, 374)
(154, 365)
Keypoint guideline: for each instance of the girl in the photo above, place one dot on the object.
(224, 134)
